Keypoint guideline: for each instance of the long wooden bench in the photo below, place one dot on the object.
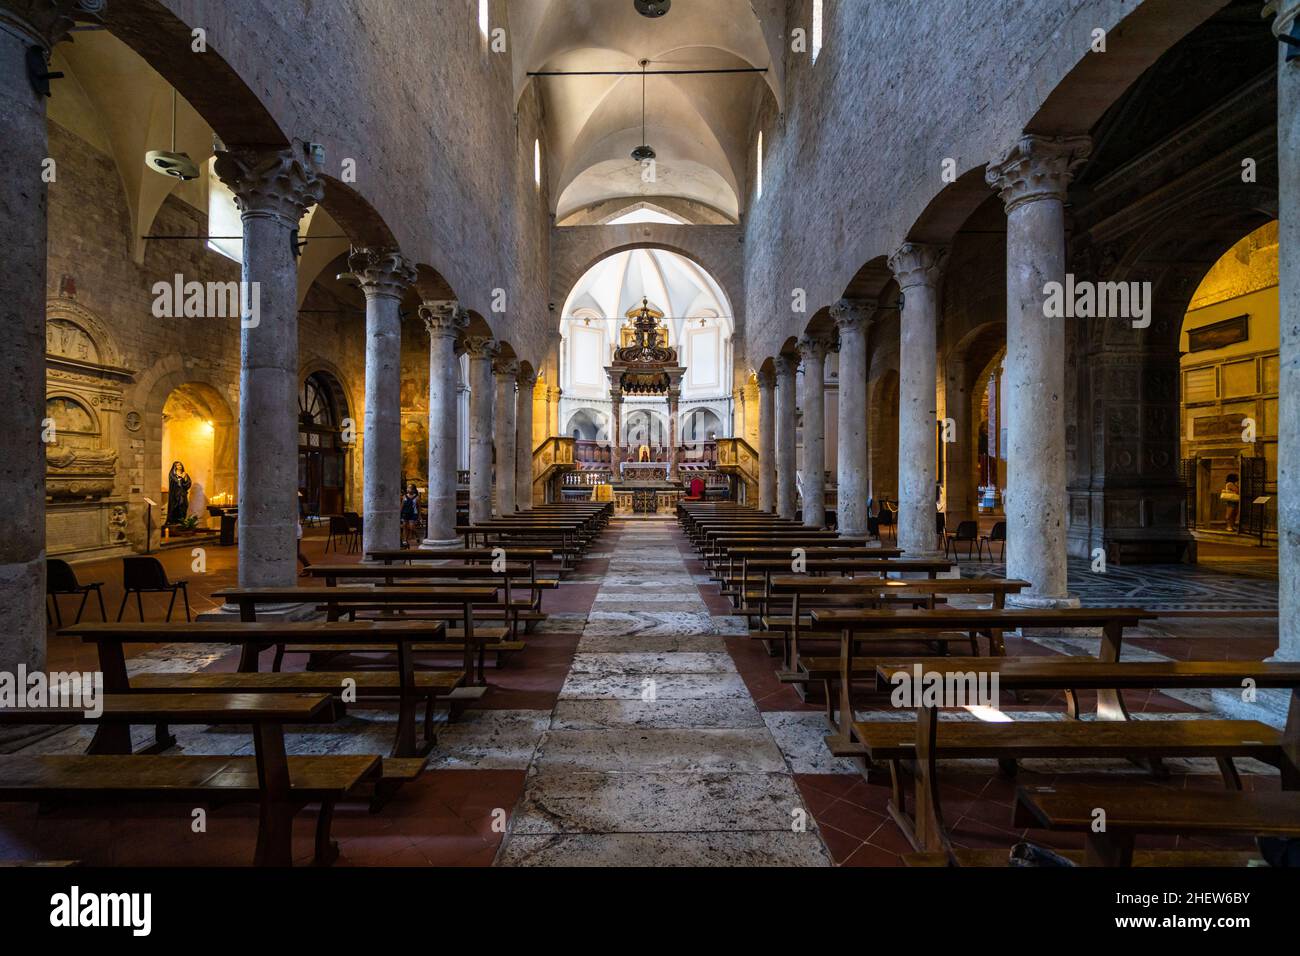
(409, 687)
(1131, 812)
(280, 784)
(885, 627)
(337, 602)
(800, 669)
(1111, 736)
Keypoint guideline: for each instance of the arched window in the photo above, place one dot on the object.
(322, 452)
(758, 166)
(537, 163)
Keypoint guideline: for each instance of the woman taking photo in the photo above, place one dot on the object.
(1231, 498)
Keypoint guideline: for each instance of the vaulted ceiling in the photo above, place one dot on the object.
(699, 125)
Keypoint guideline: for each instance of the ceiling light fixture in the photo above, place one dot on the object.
(652, 8)
(169, 162)
(643, 153)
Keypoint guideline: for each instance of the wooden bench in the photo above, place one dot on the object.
(868, 593)
(1131, 812)
(337, 602)
(280, 784)
(883, 627)
(1112, 735)
(408, 687)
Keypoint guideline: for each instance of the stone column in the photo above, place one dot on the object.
(853, 319)
(673, 398)
(507, 374)
(916, 267)
(766, 441)
(385, 275)
(273, 188)
(524, 442)
(785, 436)
(960, 455)
(812, 479)
(1288, 432)
(444, 320)
(615, 435)
(24, 23)
(481, 400)
(1032, 178)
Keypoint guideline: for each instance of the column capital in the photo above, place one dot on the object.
(506, 368)
(383, 273)
(917, 263)
(481, 346)
(1037, 167)
(271, 183)
(785, 365)
(854, 314)
(527, 379)
(766, 378)
(1284, 14)
(47, 22)
(443, 318)
(814, 347)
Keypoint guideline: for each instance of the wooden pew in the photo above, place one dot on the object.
(1112, 735)
(800, 669)
(1136, 811)
(890, 626)
(337, 602)
(411, 688)
(280, 784)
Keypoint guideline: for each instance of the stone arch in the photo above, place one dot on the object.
(715, 249)
(208, 82)
(697, 424)
(592, 423)
(220, 392)
(62, 308)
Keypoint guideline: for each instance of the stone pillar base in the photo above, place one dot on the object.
(1040, 603)
(433, 544)
(1269, 707)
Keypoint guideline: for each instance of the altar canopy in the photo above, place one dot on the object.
(645, 365)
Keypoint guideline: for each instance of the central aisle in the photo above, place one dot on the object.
(656, 753)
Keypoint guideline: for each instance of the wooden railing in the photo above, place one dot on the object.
(736, 457)
(551, 459)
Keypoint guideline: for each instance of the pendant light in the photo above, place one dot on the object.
(169, 162)
(643, 153)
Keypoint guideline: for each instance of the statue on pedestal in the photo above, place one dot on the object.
(178, 494)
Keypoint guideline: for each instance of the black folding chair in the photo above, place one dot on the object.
(997, 533)
(340, 529)
(61, 579)
(968, 531)
(140, 574)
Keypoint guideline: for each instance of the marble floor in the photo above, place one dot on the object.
(656, 753)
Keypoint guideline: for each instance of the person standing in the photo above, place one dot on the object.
(1231, 498)
(410, 515)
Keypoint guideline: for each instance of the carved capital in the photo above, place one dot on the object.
(277, 184)
(916, 263)
(47, 22)
(850, 315)
(481, 346)
(506, 368)
(383, 273)
(814, 347)
(785, 366)
(443, 318)
(766, 378)
(527, 379)
(1284, 14)
(1037, 167)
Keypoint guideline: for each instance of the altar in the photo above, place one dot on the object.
(646, 498)
(644, 471)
